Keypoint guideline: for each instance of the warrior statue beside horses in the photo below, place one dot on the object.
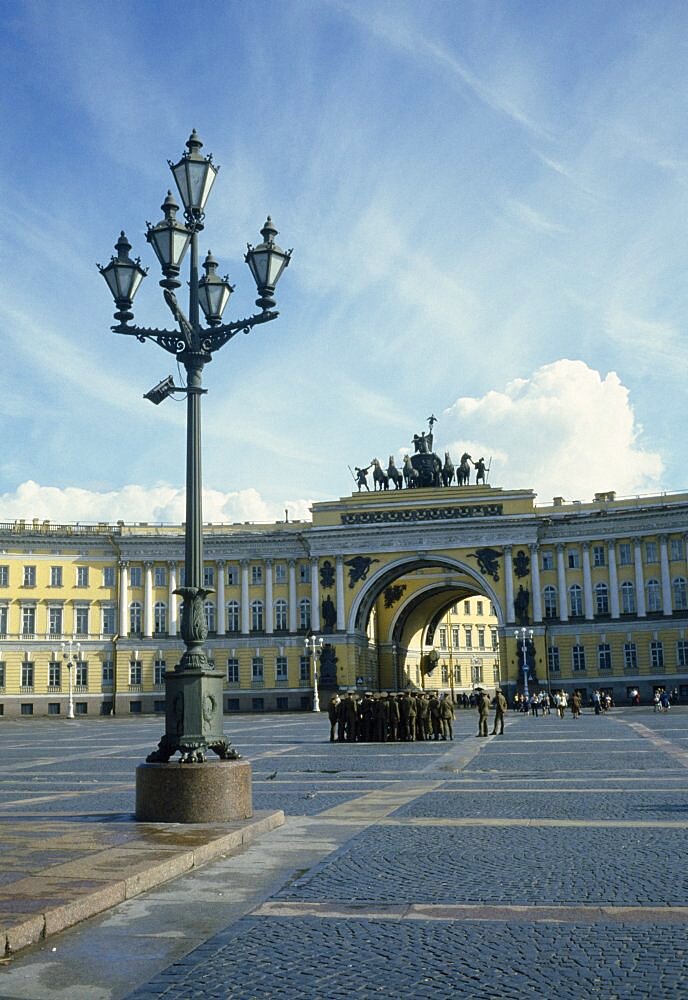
(422, 469)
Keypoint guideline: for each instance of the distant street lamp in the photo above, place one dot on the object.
(524, 635)
(193, 690)
(67, 654)
(313, 645)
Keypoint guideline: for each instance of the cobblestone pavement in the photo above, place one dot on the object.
(545, 863)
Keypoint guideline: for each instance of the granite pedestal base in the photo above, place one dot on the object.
(212, 792)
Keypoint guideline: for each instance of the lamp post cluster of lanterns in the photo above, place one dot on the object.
(194, 711)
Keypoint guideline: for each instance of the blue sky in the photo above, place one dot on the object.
(487, 203)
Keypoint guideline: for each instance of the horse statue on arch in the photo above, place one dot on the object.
(410, 474)
(463, 473)
(380, 477)
(447, 470)
(393, 474)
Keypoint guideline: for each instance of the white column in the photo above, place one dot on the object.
(339, 575)
(561, 583)
(172, 599)
(221, 610)
(639, 579)
(509, 584)
(148, 600)
(315, 596)
(666, 578)
(292, 595)
(269, 610)
(123, 599)
(245, 616)
(588, 606)
(537, 589)
(613, 581)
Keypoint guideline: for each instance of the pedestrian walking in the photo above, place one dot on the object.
(333, 714)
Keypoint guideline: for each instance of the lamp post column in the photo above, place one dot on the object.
(524, 634)
(314, 645)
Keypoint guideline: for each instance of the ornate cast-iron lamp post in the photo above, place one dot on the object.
(524, 635)
(68, 656)
(313, 645)
(193, 690)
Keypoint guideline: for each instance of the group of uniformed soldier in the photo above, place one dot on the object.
(388, 717)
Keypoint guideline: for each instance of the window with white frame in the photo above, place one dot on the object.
(208, 577)
(55, 620)
(575, 601)
(257, 669)
(481, 637)
(55, 576)
(159, 670)
(54, 674)
(601, 599)
(256, 575)
(27, 674)
(135, 673)
(654, 595)
(4, 576)
(232, 576)
(604, 656)
(547, 557)
(304, 572)
(281, 668)
(304, 669)
(549, 602)
(627, 598)
(625, 554)
(442, 633)
(257, 621)
(209, 611)
(233, 616)
(81, 619)
(682, 653)
(135, 576)
(456, 636)
(160, 576)
(599, 556)
(29, 576)
(680, 593)
(109, 576)
(3, 619)
(108, 673)
(2, 674)
(81, 673)
(28, 619)
(304, 613)
(676, 548)
(159, 618)
(232, 670)
(281, 616)
(280, 573)
(657, 654)
(468, 637)
(135, 618)
(82, 576)
(109, 619)
(573, 556)
(651, 552)
(578, 657)
(630, 652)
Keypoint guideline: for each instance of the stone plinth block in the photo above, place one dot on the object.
(217, 791)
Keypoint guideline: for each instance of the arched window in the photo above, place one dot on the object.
(549, 596)
(304, 614)
(281, 611)
(680, 593)
(233, 616)
(257, 616)
(575, 601)
(654, 596)
(627, 598)
(160, 618)
(135, 618)
(209, 609)
(601, 599)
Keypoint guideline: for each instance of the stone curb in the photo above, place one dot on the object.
(108, 877)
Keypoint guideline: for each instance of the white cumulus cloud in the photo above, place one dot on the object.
(565, 431)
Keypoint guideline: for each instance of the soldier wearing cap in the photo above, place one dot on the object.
(483, 701)
(500, 704)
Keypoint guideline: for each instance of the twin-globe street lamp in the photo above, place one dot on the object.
(67, 655)
(193, 690)
(524, 635)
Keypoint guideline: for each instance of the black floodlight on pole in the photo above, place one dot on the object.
(161, 391)
(193, 690)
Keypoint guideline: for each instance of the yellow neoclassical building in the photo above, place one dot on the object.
(442, 587)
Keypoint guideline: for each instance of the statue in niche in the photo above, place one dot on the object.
(329, 615)
(327, 574)
(521, 604)
(521, 564)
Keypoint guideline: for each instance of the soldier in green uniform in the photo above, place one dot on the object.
(435, 723)
(446, 717)
(333, 713)
(501, 706)
(392, 717)
(422, 717)
(483, 701)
